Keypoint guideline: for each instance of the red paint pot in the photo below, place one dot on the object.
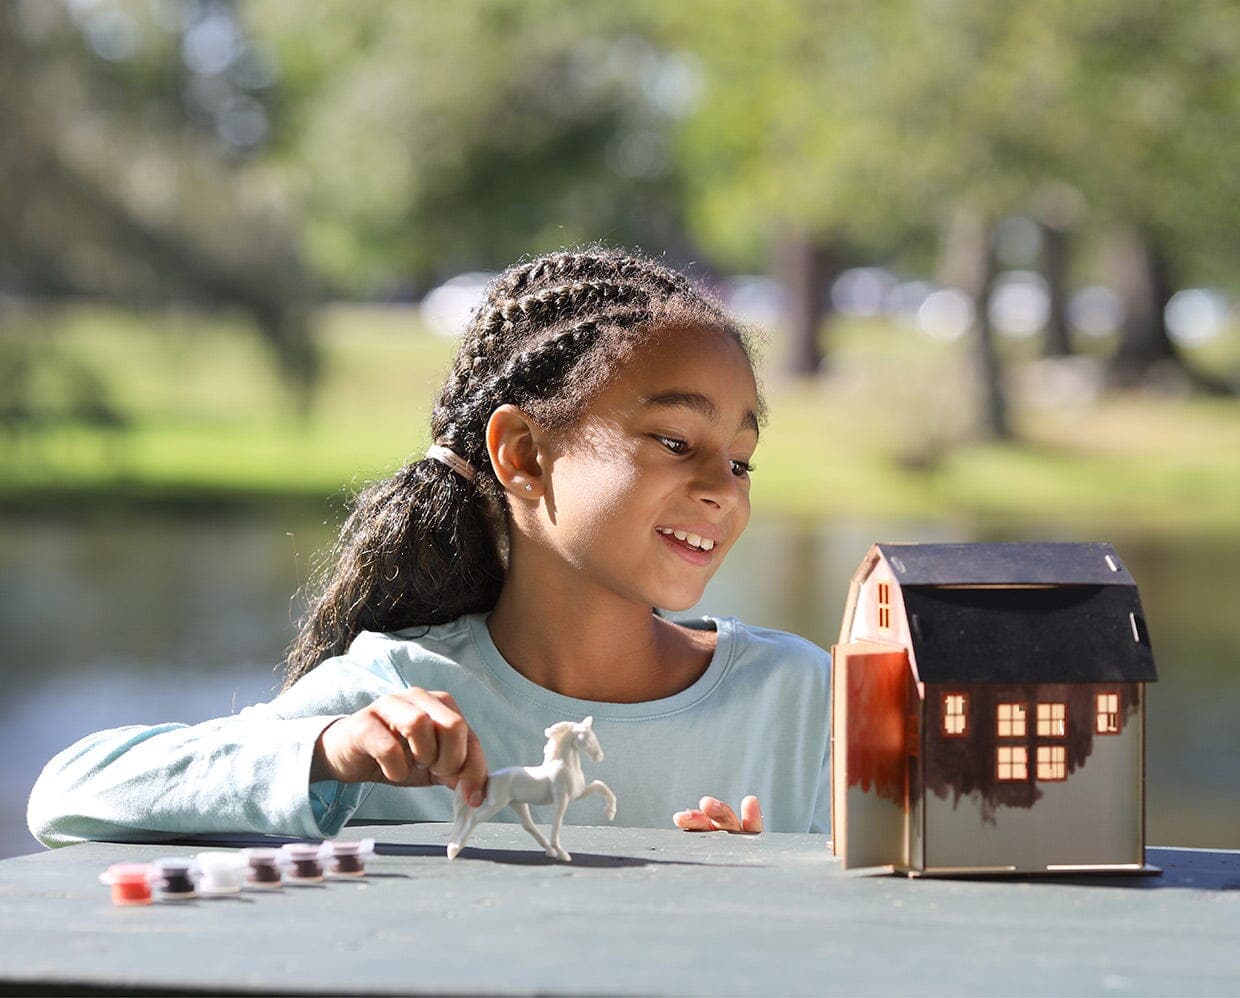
(130, 883)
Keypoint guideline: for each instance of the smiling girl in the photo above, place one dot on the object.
(590, 467)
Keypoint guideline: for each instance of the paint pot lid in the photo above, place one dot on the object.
(302, 851)
(260, 856)
(362, 847)
(174, 865)
(127, 873)
(219, 861)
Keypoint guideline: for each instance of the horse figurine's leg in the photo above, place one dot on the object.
(554, 849)
(527, 822)
(599, 787)
(468, 818)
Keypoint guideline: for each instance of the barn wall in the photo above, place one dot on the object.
(1094, 816)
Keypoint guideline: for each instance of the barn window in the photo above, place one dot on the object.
(1052, 762)
(1052, 720)
(884, 606)
(1011, 720)
(1013, 762)
(1108, 713)
(955, 714)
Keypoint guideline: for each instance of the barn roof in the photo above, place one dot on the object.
(1066, 634)
(1005, 564)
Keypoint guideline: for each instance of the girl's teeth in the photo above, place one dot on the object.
(694, 540)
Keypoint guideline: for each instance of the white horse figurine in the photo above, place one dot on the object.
(557, 781)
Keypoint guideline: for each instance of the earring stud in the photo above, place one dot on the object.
(529, 487)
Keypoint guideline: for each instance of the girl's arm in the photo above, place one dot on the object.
(247, 773)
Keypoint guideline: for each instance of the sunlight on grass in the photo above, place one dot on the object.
(197, 412)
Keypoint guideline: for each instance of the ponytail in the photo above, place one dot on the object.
(418, 548)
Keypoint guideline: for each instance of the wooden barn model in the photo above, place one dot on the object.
(988, 711)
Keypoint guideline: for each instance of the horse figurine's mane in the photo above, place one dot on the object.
(557, 781)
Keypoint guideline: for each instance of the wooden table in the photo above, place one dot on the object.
(638, 910)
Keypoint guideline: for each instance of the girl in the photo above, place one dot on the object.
(590, 465)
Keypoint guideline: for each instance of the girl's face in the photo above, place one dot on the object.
(648, 493)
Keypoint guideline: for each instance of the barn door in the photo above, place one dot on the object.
(869, 758)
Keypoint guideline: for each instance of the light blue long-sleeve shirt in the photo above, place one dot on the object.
(756, 722)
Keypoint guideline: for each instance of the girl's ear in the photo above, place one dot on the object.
(515, 445)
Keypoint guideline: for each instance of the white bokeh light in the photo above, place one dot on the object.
(946, 314)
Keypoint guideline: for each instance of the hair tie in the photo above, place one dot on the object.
(447, 456)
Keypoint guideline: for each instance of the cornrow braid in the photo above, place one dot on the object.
(531, 376)
(494, 329)
(562, 268)
(426, 546)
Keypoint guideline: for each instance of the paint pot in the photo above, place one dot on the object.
(130, 882)
(303, 862)
(174, 877)
(348, 859)
(220, 873)
(262, 868)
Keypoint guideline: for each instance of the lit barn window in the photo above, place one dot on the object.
(1011, 720)
(1013, 762)
(884, 606)
(955, 714)
(1052, 720)
(1108, 713)
(1052, 762)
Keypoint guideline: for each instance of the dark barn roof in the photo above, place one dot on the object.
(1008, 564)
(973, 617)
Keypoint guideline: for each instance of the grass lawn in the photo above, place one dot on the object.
(195, 413)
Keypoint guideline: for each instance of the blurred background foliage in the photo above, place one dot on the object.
(994, 249)
(1033, 204)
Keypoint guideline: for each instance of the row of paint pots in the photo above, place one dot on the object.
(212, 874)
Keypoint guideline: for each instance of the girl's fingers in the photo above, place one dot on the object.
(410, 723)
(389, 752)
(692, 821)
(459, 758)
(473, 778)
(713, 815)
(722, 816)
(751, 815)
(451, 731)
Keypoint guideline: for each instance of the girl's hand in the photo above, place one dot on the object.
(715, 816)
(413, 738)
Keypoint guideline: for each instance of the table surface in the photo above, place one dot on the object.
(637, 911)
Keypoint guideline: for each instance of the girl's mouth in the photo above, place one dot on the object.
(693, 548)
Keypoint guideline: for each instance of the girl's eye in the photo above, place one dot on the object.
(742, 469)
(674, 445)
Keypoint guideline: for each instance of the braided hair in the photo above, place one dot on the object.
(426, 546)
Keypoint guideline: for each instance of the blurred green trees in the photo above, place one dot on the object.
(263, 154)
(127, 168)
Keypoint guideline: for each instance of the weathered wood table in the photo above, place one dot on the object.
(638, 911)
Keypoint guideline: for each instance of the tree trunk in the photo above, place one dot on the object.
(1144, 286)
(969, 263)
(1058, 342)
(804, 267)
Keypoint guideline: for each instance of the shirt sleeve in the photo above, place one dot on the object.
(246, 773)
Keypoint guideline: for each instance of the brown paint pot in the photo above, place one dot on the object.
(347, 859)
(303, 862)
(263, 868)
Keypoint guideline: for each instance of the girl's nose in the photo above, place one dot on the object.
(716, 486)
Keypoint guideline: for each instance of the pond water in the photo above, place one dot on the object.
(142, 619)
